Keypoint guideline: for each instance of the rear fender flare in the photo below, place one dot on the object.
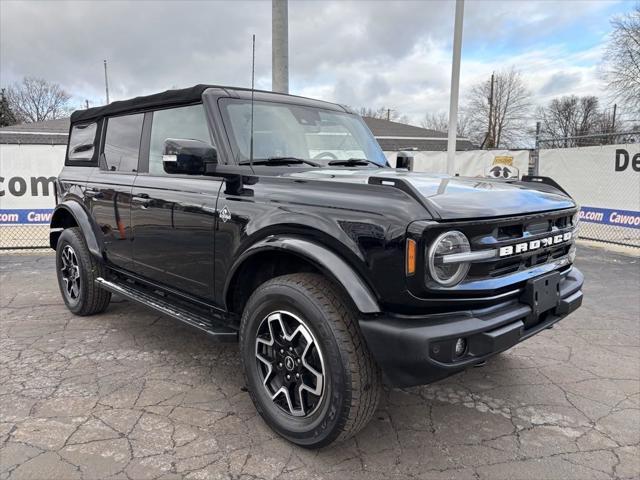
(82, 219)
(324, 259)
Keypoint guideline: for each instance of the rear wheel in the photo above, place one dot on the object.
(77, 271)
(307, 367)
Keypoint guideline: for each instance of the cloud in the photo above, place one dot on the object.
(396, 54)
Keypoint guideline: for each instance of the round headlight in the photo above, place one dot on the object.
(449, 243)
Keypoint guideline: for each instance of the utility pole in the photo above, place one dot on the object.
(534, 167)
(613, 121)
(106, 82)
(86, 104)
(491, 134)
(280, 46)
(388, 114)
(455, 88)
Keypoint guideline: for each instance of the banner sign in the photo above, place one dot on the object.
(608, 216)
(471, 163)
(604, 180)
(25, 216)
(27, 176)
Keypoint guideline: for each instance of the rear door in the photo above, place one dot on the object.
(109, 187)
(173, 216)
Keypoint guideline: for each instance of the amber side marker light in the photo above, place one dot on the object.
(411, 257)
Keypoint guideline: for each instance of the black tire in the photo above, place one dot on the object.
(87, 298)
(351, 377)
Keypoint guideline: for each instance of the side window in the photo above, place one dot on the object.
(122, 143)
(82, 142)
(183, 122)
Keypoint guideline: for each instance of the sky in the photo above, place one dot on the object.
(360, 53)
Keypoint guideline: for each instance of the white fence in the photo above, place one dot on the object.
(605, 181)
(471, 163)
(27, 173)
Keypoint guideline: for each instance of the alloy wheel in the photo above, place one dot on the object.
(290, 363)
(70, 272)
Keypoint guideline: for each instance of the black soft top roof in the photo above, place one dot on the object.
(170, 97)
(181, 97)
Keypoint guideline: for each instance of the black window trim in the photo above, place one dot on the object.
(145, 143)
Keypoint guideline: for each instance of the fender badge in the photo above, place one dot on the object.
(225, 214)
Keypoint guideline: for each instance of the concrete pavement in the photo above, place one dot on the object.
(130, 394)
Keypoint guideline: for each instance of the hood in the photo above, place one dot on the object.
(454, 198)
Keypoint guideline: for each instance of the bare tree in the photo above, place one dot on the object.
(440, 122)
(35, 99)
(499, 120)
(622, 59)
(435, 121)
(383, 113)
(572, 116)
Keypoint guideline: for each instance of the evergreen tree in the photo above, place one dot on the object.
(6, 114)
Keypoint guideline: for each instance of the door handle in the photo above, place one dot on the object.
(142, 199)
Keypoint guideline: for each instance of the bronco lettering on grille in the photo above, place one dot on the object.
(534, 244)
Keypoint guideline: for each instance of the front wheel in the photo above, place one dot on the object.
(307, 367)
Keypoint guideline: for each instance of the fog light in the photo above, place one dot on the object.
(461, 347)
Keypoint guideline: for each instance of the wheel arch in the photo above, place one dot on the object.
(300, 255)
(71, 214)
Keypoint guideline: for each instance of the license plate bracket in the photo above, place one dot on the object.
(542, 294)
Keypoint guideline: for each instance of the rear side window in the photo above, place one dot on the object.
(82, 142)
(122, 143)
(182, 122)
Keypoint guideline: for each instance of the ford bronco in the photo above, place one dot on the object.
(276, 221)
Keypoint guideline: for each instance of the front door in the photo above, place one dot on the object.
(173, 216)
(109, 187)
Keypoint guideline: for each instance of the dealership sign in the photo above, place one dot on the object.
(27, 178)
(25, 216)
(604, 180)
(608, 216)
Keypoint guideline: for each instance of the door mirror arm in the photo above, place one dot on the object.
(235, 178)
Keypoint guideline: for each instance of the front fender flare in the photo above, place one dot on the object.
(322, 257)
(83, 221)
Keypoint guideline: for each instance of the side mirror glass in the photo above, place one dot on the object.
(186, 156)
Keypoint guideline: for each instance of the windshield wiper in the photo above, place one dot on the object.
(278, 161)
(354, 162)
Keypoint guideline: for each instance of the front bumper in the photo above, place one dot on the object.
(419, 350)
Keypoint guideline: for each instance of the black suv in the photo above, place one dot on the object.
(276, 221)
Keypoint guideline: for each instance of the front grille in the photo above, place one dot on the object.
(493, 280)
(493, 234)
(513, 231)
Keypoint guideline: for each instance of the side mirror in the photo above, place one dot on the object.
(404, 160)
(186, 156)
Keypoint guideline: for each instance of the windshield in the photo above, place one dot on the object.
(286, 130)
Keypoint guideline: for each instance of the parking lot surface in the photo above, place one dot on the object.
(130, 394)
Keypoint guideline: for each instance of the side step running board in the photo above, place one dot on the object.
(216, 332)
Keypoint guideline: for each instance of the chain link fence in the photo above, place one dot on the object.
(599, 170)
(24, 237)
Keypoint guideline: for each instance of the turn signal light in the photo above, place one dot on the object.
(411, 257)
